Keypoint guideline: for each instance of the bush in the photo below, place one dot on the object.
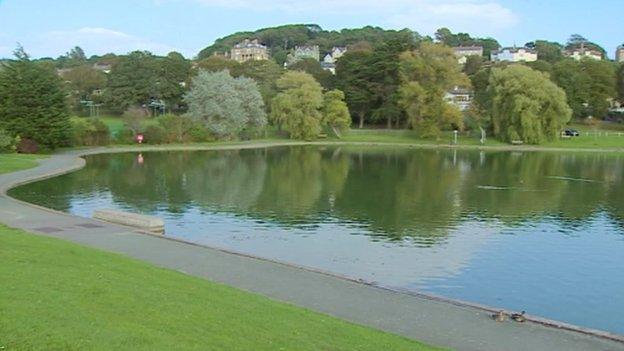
(89, 132)
(8, 143)
(155, 134)
(27, 146)
(177, 128)
(124, 136)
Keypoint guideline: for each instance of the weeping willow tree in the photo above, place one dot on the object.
(426, 75)
(526, 105)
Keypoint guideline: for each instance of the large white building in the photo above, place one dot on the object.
(582, 52)
(514, 55)
(460, 97)
(249, 50)
(462, 52)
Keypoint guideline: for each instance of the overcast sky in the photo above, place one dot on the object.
(51, 28)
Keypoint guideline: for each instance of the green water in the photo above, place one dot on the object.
(541, 232)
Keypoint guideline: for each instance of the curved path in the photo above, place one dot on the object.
(433, 320)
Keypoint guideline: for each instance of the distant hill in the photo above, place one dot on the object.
(283, 38)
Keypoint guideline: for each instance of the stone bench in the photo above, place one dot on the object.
(147, 223)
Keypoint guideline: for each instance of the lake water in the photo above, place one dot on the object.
(541, 232)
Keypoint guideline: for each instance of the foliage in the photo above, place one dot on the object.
(335, 112)
(32, 102)
(140, 77)
(427, 74)
(8, 143)
(134, 118)
(588, 84)
(353, 79)
(265, 73)
(526, 105)
(155, 134)
(226, 105)
(313, 67)
(473, 64)
(446, 37)
(89, 132)
(83, 82)
(620, 81)
(178, 129)
(547, 50)
(576, 41)
(280, 40)
(297, 107)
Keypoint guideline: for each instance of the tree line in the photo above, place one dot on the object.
(394, 78)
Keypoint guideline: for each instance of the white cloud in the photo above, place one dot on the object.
(475, 16)
(95, 40)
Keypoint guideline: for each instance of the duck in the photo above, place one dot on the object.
(499, 316)
(519, 317)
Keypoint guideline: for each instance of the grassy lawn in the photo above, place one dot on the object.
(61, 296)
(16, 162)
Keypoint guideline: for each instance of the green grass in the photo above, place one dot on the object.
(410, 137)
(61, 296)
(17, 162)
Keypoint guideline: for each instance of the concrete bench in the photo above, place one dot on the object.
(147, 223)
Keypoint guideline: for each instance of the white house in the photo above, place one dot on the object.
(514, 55)
(582, 52)
(329, 61)
(462, 52)
(460, 97)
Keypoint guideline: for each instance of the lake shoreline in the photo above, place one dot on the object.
(71, 160)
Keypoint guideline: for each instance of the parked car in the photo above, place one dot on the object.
(571, 133)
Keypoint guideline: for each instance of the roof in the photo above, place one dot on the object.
(472, 47)
(515, 49)
(249, 44)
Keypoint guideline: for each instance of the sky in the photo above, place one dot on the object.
(51, 28)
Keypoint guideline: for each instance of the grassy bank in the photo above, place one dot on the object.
(16, 162)
(62, 296)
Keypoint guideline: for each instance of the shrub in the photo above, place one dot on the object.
(134, 119)
(8, 143)
(124, 136)
(177, 128)
(89, 132)
(27, 146)
(155, 134)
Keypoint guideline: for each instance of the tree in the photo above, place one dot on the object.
(134, 119)
(173, 76)
(335, 112)
(132, 81)
(620, 82)
(473, 64)
(313, 67)
(547, 50)
(589, 85)
(297, 108)
(353, 79)
(427, 74)
(84, 81)
(526, 105)
(227, 106)
(32, 102)
(265, 73)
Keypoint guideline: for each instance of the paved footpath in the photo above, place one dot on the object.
(442, 323)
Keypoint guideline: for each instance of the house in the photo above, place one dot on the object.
(462, 52)
(329, 61)
(102, 67)
(582, 52)
(460, 97)
(619, 53)
(248, 50)
(514, 54)
(303, 52)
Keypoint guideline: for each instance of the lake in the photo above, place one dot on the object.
(535, 231)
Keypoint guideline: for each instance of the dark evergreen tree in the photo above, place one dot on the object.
(33, 102)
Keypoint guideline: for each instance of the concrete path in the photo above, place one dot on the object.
(437, 322)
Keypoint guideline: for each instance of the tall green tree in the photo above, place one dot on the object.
(352, 72)
(335, 112)
(297, 108)
(227, 106)
(132, 81)
(526, 105)
(32, 102)
(173, 76)
(548, 51)
(265, 73)
(313, 67)
(589, 85)
(427, 74)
